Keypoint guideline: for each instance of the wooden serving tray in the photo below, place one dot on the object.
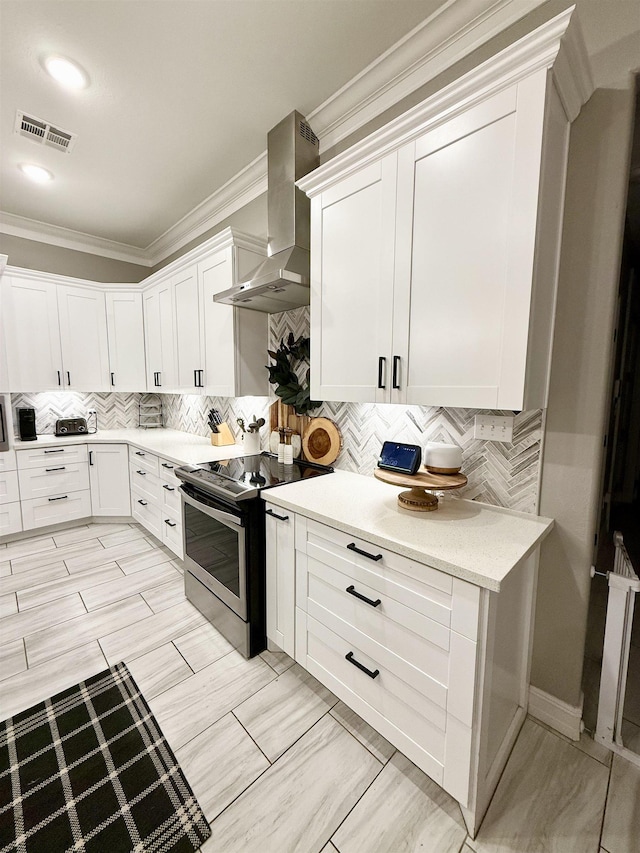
(417, 499)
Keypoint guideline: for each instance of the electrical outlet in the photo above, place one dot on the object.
(493, 427)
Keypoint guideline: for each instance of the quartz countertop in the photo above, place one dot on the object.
(467, 539)
(172, 444)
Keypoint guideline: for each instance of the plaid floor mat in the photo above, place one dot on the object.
(89, 770)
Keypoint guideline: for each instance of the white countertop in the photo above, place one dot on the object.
(179, 447)
(470, 540)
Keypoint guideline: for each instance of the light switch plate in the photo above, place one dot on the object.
(493, 427)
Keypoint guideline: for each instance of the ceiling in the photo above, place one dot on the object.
(183, 92)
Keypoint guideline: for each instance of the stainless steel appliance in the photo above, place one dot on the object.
(71, 426)
(27, 424)
(224, 540)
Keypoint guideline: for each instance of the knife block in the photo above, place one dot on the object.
(223, 436)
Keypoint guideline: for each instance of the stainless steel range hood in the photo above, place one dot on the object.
(281, 282)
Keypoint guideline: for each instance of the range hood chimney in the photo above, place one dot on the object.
(281, 282)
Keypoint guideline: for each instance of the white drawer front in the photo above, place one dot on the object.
(10, 519)
(142, 459)
(170, 495)
(9, 487)
(8, 461)
(167, 470)
(172, 532)
(57, 508)
(59, 477)
(37, 457)
(145, 482)
(146, 512)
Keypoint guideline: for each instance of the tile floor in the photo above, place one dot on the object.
(278, 764)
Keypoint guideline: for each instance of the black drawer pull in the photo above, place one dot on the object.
(59, 380)
(91, 457)
(169, 488)
(113, 381)
(169, 522)
(68, 378)
(275, 515)
(351, 659)
(60, 468)
(63, 498)
(142, 503)
(60, 450)
(352, 547)
(382, 361)
(352, 591)
(142, 473)
(166, 465)
(139, 453)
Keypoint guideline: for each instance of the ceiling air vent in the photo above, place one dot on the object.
(43, 132)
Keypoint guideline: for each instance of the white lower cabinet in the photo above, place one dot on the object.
(10, 518)
(109, 480)
(146, 511)
(438, 665)
(54, 484)
(155, 497)
(10, 515)
(55, 509)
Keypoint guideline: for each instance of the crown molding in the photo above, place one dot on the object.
(451, 33)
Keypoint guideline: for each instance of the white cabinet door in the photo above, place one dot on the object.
(281, 570)
(159, 337)
(30, 318)
(125, 330)
(83, 336)
(234, 341)
(352, 256)
(109, 479)
(187, 330)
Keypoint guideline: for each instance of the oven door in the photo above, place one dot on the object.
(214, 547)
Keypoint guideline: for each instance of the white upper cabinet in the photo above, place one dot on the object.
(125, 332)
(160, 337)
(83, 336)
(32, 332)
(435, 241)
(187, 331)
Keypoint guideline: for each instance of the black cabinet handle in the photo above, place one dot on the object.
(372, 674)
(113, 381)
(195, 379)
(382, 364)
(59, 450)
(169, 488)
(140, 453)
(201, 378)
(91, 457)
(352, 547)
(142, 503)
(275, 515)
(352, 591)
(159, 378)
(169, 522)
(396, 371)
(60, 468)
(142, 473)
(68, 378)
(59, 378)
(166, 465)
(63, 498)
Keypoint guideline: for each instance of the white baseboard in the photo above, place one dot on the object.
(558, 715)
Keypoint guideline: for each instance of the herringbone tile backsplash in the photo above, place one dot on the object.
(501, 474)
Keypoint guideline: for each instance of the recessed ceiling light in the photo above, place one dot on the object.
(36, 173)
(66, 72)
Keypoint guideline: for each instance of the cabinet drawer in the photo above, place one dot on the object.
(54, 479)
(146, 512)
(388, 695)
(38, 457)
(144, 460)
(8, 461)
(10, 519)
(145, 482)
(52, 510)
(9, 487)
(170, 496)
(172, 532)
(167, 469)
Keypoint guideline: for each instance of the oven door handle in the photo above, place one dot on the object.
(218, 514)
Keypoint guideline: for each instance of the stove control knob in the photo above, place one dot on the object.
(63, 429)
(82, 428)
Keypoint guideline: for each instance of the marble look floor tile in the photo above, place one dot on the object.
(284, 710)
(38, 683)
(52, 590)
(8, 604)
(14, 583)
(32, 545)
(403, 810)
(106, 555)
(144, 560)
(190, 707)
(150, 633)
(124, 586)
(368, 736)
(47, 644)
(166, 595)
(278, 661)
(88, 531)
(12, 659)
(221, 763)
(550, 798)
(159, 670)
(621, 831)
(329, 848)
(299, 802)
(119, 537)
(586, 744)
(178, 564)
(46, 617)
(54, 555)
(5, 569)
(202, 646)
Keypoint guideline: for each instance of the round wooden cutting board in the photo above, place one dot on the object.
(321, 441)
